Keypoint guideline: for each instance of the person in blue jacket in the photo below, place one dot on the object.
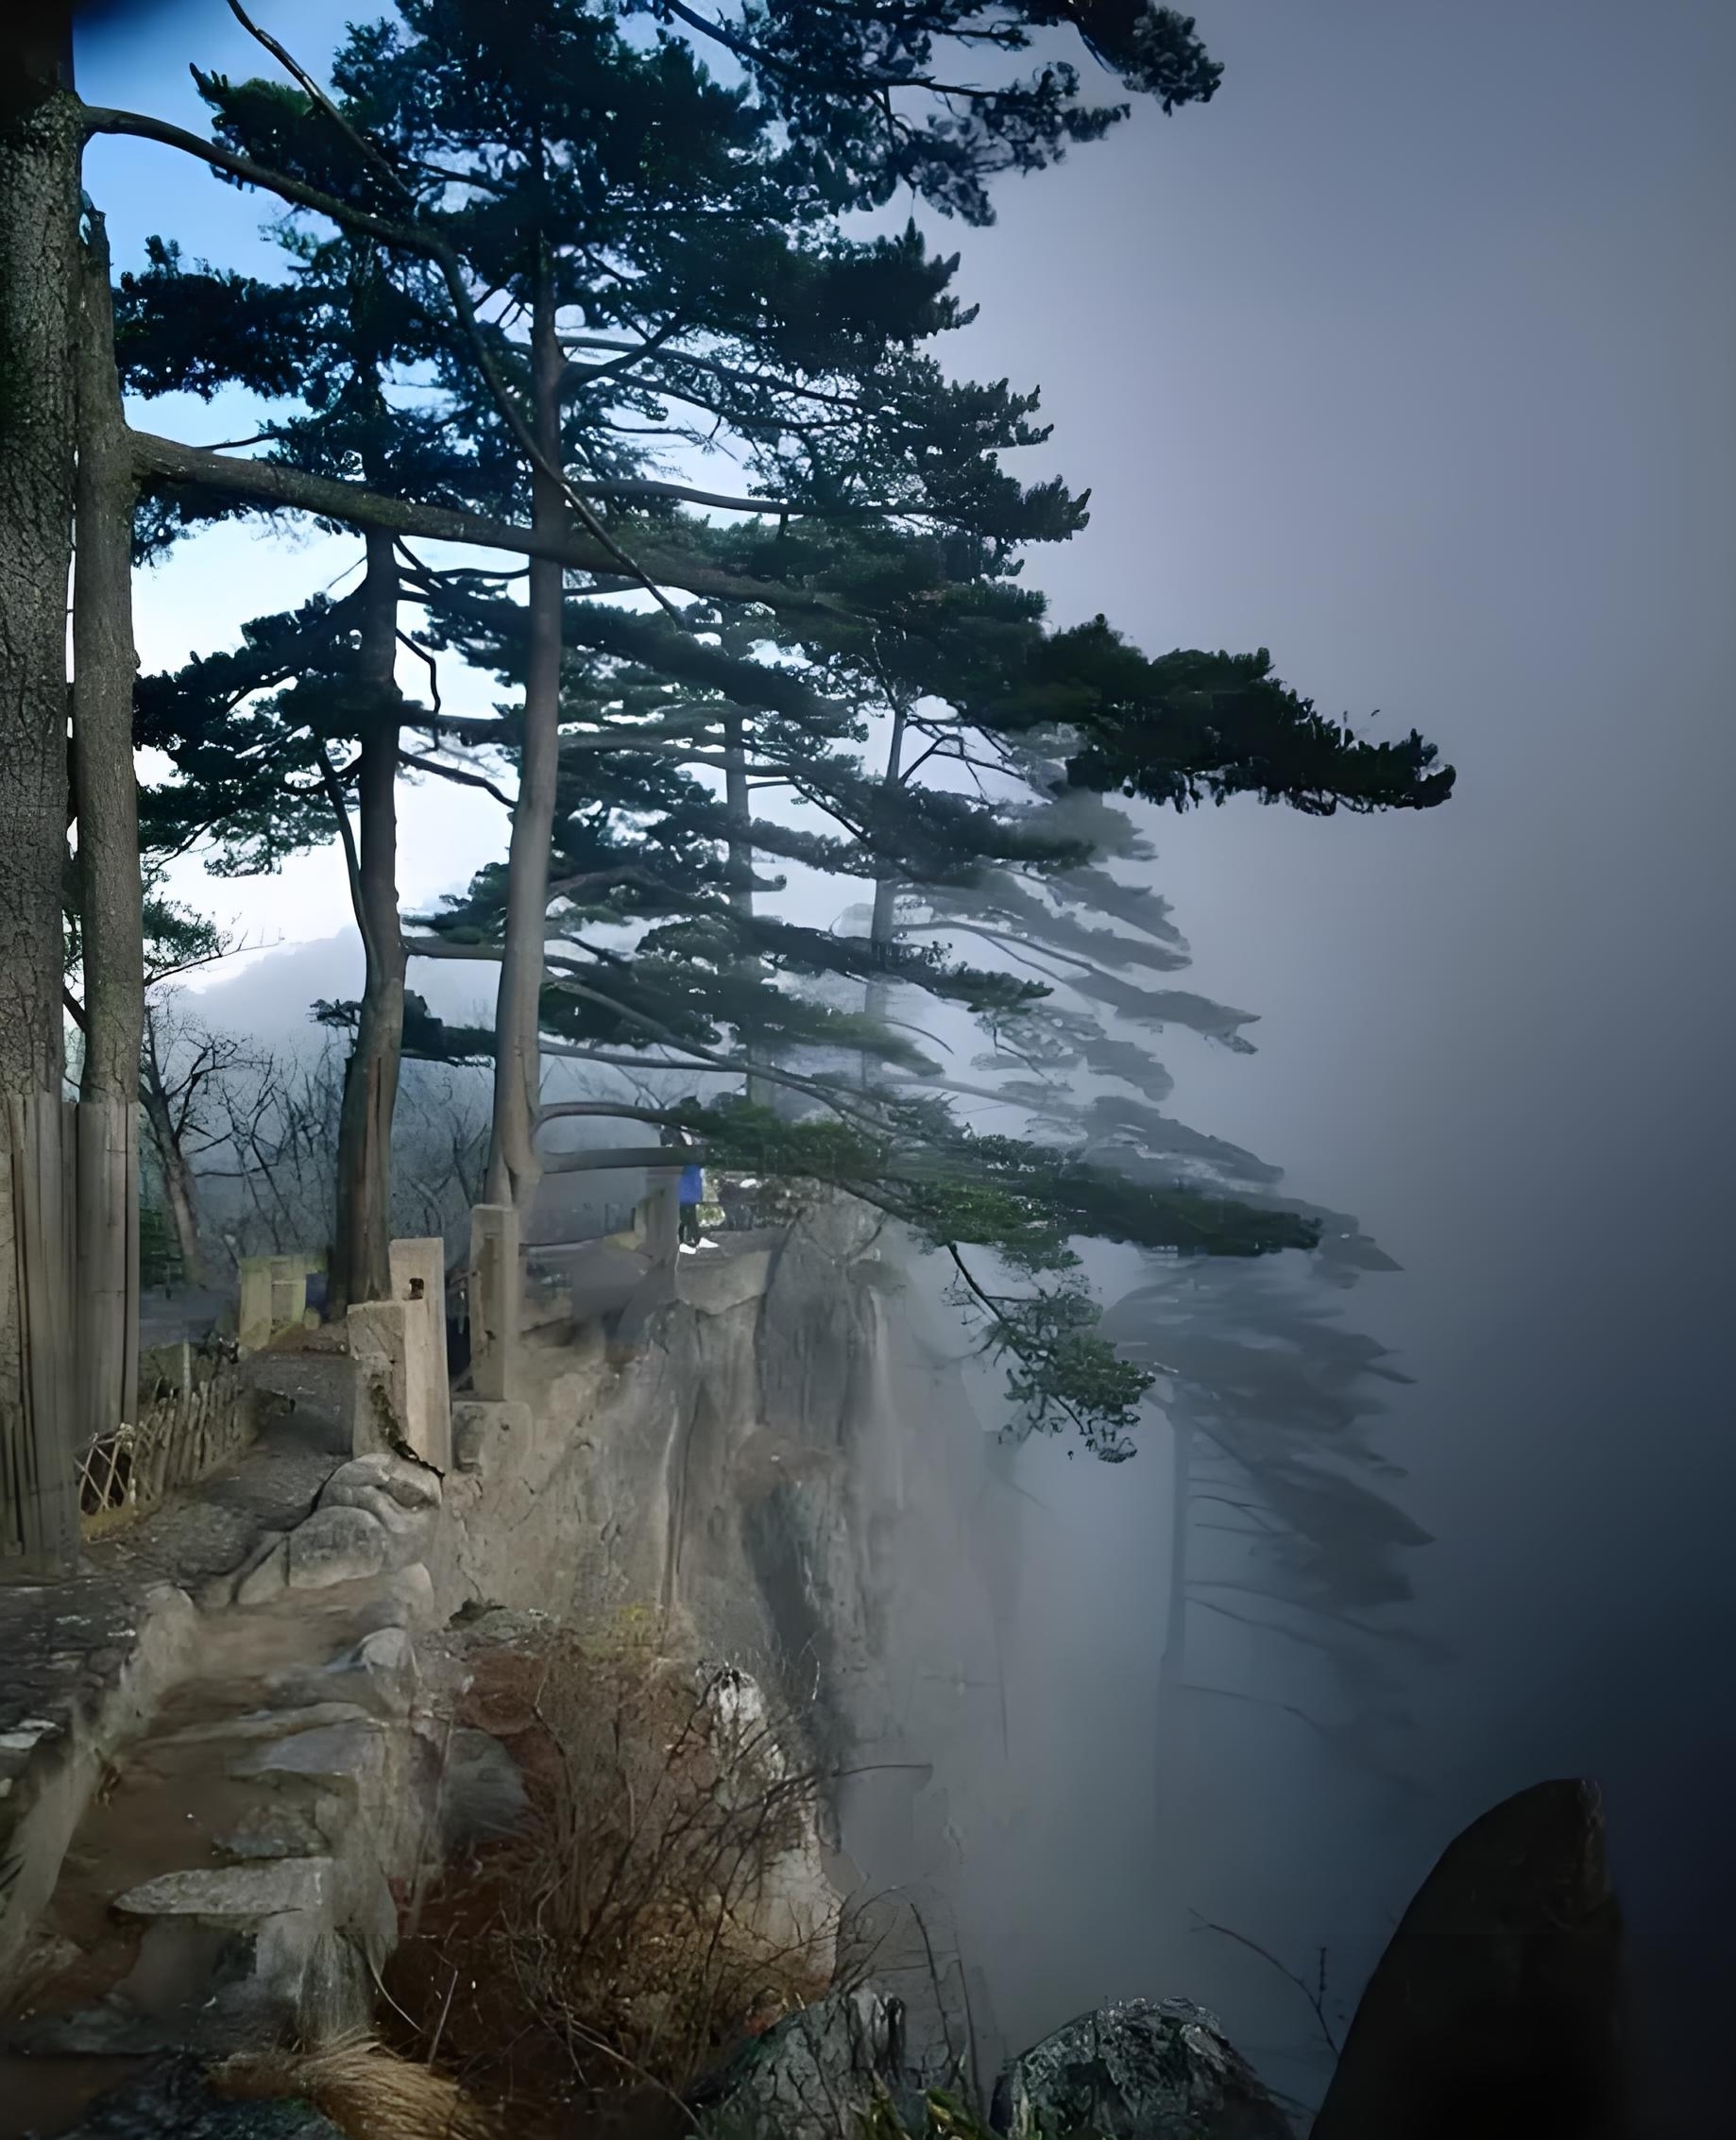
(690, 1195)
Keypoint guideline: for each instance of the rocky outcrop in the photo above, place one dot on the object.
(1134, 2072)
(1137, 2072)
(376, 1515)
(815, 2075)
(716, 1478)
(173, 2100)
(784, 1899)
(1496, 2008)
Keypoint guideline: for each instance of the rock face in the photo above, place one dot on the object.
(718, 1480)
(813, 2077)
(1137, 2072)
(171, 2101)
(1496, 2007)
(788, 1902)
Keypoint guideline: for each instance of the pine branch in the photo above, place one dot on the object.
(164, 461)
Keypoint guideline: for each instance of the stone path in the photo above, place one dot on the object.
(219, 1772)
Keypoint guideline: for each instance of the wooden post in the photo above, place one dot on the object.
(496, 1289)
(39, 1498)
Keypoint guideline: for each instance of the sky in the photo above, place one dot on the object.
(1408, 358)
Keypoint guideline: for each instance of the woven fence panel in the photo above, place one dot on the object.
(190, 1424)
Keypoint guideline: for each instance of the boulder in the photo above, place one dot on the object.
(336, 1545)
(1142, 2071)
(274, 1829)
(389, 1485)
(405, 1600)
(172, 2101)
(264, 1575)
(1496, 2008)
(350, 1754)
(387, 1657)
(814, 2076)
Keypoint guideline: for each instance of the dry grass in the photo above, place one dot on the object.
(637, 1929)
(369, 2091)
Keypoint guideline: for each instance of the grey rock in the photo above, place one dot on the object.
(494, 1626)
(116, 2029)
(338, 1753)
(270, 1723)
(400, 1496)
(375, 1678)
(305, 1975)
(275, 1831)
(387, 1657)
(711, 1285)
(172, 2101)
(336, 1545)
(482, 1793)
(1142, 2071)
(264, 1575)
(234, 1892)
(406, 1601)
(480, 1427)
(369, 1914)
(1497, 2006)
(813, 2077)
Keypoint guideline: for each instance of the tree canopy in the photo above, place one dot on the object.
(576, 282)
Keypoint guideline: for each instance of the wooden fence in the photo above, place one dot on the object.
(196, 1412)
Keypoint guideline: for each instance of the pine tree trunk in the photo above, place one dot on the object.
(877, 995)
(738, 865)
(39, 285)
(106, 795)
(360, 1266)
(514, 1169)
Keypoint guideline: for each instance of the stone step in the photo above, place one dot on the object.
(228, 1895)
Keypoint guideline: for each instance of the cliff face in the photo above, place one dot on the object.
(732, 1476)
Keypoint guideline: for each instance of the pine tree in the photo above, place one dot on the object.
(522, 161)
(344, 338)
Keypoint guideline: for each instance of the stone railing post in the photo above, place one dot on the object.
(288, 1292)
(496, 1289)
(418, 1280)
(393, 1395)
(253, 1323)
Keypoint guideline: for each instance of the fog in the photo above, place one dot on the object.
(1409, 358)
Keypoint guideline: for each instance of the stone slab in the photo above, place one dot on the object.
(234, 1892)
(419, 1279)
(253, 1322)
(394, 1401)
